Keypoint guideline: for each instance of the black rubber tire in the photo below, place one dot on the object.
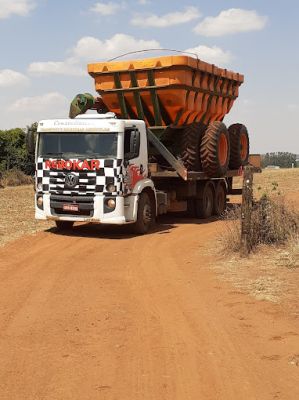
(190, 146)
(204, 205)
(191, 208)
(209, 150)
(144, 223)
(235, 132)
(64, 225)
(220, 200)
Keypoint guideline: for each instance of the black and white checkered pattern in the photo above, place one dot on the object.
(90, 182)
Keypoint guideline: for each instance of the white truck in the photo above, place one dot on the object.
(128, 167)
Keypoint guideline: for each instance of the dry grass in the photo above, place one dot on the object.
(17, 213)
(283, 181)
(273, 221)
(289, 256)
(271, 272)
(15, 177)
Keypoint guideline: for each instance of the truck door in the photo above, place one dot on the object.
(135, 158)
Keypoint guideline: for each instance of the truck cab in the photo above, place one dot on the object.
(94, 168)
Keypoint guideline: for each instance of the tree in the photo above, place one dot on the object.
(13, 150)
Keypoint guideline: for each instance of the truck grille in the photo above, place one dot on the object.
(86, 184)
(85, 205)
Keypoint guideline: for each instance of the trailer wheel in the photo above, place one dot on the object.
(191, 208)
(214, 149)
(190, 145)
(220, 199)
(64, 225)
(205, 204)
(239, 145)
(145, 214)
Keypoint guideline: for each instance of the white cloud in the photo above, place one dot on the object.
(144, 2)
(93, 49)
(9, 77)
(28, 109)
(66, 67)
(214, 54)
(42, 103)
(170, 19)
(15, 7)
(105, 9)
(231, 21)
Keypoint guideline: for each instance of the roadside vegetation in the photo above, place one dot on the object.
(16, 164)
(15, 177)
(279, 159)
(273, 222)
(271, 272)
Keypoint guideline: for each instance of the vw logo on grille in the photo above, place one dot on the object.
(71, 180)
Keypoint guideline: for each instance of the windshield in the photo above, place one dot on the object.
(78, 145)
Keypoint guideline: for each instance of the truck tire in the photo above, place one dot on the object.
(220, 198)
(145, 215)
(204, 205)
(190, 146)
(191, 208)
(64, 225)
(214, 149)
(239, 146)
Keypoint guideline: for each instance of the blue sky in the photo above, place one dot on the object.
(46, 45)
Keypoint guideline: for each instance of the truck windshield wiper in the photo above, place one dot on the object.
(96, 155)
(51, 154)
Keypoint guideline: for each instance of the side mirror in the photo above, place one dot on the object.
(30, 141)
(134, 145)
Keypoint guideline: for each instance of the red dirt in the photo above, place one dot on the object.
(103, 315)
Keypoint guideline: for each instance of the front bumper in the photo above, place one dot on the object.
(94, 208)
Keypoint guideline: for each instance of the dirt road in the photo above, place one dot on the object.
(108, 316)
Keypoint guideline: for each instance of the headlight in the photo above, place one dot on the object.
(40, 202)
(111, 188)
(39, 187)
(111, 203)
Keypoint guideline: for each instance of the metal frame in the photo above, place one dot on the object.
(169, 157)
(159, 116)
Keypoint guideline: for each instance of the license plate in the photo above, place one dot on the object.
(70, 207)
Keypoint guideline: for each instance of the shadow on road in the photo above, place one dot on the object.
(109, 231)
(163, 226)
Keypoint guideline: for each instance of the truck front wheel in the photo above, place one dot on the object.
(145, 214)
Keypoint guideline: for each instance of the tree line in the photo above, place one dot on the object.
(13, 150)
(280, 159)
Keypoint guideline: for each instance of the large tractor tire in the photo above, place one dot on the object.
(190, 146)
(215, 150)
(239, 146)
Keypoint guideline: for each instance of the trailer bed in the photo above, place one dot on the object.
(194, 176)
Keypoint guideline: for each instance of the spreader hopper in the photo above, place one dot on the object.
(163, 91)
